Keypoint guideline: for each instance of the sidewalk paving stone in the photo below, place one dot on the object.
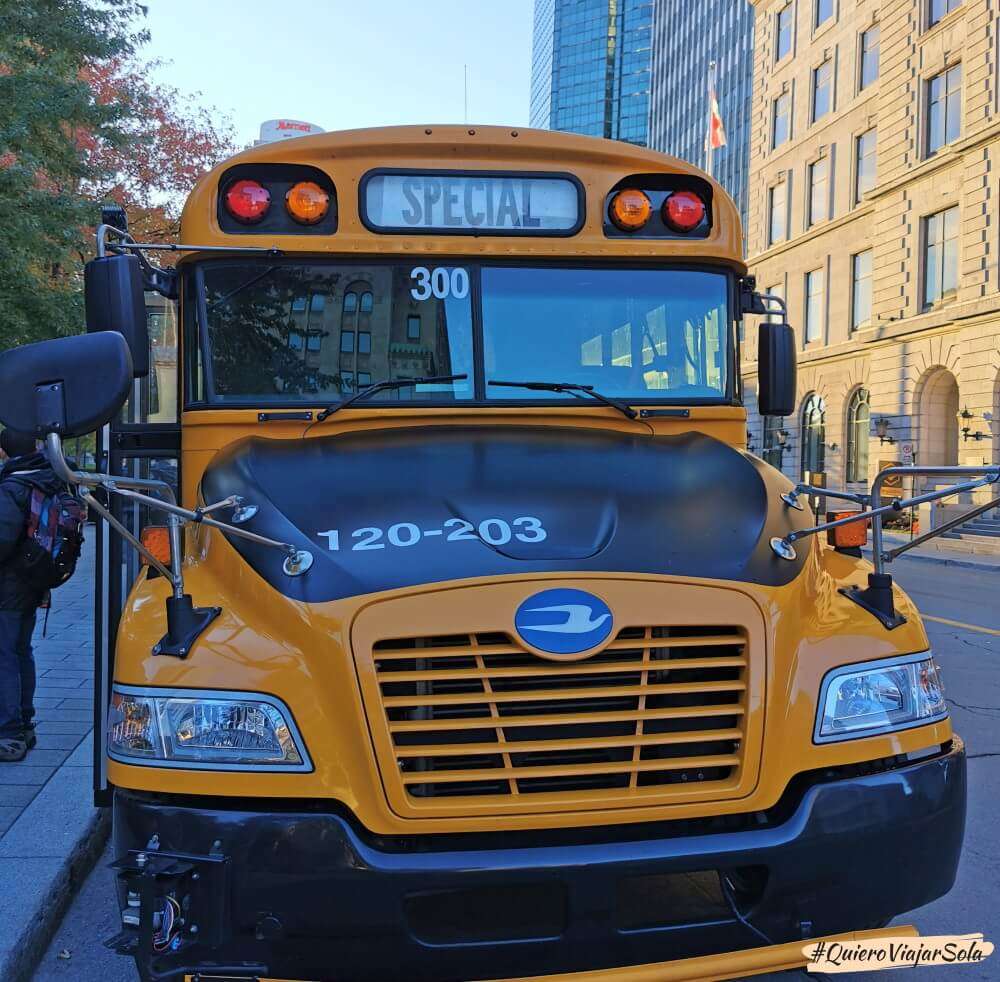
(64, 726)
(58, 741)
(25, 774)
(50, 831)
(17, 794)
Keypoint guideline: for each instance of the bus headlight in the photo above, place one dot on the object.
(204, 729)
(879, 697)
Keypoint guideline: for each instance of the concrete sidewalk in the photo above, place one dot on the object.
(946, 552)
(50, 832)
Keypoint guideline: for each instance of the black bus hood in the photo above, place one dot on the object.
(386, 509)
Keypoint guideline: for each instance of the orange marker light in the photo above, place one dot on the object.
(852, 536)
(156, 538)
(630, 210)
(307, 202)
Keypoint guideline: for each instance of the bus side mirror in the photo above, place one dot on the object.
(70, 386)
(776, 375)
(115, 302)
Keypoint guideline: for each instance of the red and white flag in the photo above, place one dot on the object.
(716, 129)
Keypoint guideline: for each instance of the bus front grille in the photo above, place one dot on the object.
(472, 715)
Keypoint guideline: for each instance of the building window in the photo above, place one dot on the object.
(858, 425)
(366, 303)
(317, 303)
(819, 191)
(314, 342)
(940, 257)
(777, 210)
(364, 378)
(783, 32)
(861, 290)
(781, 119)
(350, 302)
(813, 436)
(944, 109)
(778, 290)
(347, 341)
(815, 305)
(864, 164)
(364, 342)
(869, 57)
(295, 340)
(822, 11)
(772, 441)
(299, 305)
(936, 9)
(822, 90)
(413, 327)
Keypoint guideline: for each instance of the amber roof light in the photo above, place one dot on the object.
(630, 209)
(307, 202)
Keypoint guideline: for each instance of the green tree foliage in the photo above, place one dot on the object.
(45, 104)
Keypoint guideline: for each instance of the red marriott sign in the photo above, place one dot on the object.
(286, 129)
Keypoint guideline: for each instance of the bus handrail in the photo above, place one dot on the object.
(297, 561)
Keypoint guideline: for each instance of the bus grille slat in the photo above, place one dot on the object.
(477, 715)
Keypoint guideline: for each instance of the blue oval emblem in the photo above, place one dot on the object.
(564, 622)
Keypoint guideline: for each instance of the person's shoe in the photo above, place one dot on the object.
(12, 750)
(30, 740)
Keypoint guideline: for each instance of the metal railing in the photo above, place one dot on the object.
(873, 510)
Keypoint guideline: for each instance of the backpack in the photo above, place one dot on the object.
(53, 537)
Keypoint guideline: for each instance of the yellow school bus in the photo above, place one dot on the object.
(478, 645)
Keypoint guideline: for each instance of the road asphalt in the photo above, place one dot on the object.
(970, 660)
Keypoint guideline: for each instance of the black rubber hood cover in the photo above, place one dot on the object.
(392, 508)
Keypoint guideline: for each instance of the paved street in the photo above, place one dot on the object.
(971, 662)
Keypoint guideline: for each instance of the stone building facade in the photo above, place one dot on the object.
(873, 210)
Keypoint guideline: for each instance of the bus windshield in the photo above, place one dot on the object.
(280, 333)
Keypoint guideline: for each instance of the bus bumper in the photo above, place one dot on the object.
(304, 894)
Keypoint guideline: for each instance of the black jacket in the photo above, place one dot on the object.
(18, 477)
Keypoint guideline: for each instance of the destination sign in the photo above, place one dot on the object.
(504, 204)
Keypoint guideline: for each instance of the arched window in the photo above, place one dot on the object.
(813, 435)
(773, 442)
(858, 426)
(355, 333)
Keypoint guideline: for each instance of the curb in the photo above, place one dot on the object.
(942, 560)
(54, 881)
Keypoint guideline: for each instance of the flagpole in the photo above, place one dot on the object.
(708, 99)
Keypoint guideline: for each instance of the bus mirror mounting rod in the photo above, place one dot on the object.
(877, 598)
(156, 278)
(185, 622)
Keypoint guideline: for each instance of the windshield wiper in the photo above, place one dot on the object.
(574, 389)
(385, 385)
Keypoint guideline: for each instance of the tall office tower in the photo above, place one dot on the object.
(590, 69)
(688, 36)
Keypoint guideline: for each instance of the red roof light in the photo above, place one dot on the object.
(248, 201)
(683, 211)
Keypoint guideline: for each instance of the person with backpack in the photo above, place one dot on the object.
(41, 532)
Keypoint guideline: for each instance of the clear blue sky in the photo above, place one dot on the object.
(347, 63)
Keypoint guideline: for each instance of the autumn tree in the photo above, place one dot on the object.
(81, 123)
(172, 141)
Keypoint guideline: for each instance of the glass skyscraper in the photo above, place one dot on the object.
(687, 36)
(591, 64)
